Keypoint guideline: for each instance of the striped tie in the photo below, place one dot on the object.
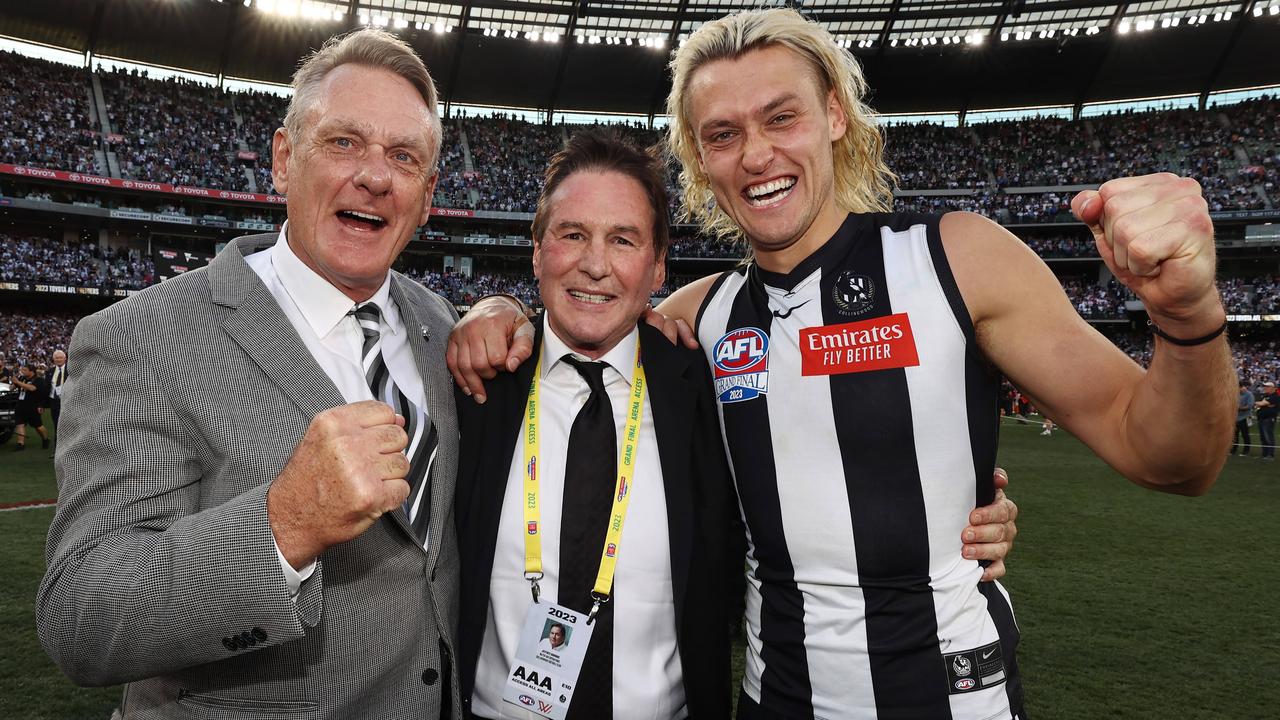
(421, 432)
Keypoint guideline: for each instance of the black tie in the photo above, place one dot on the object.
(422, 432)
(589, 474)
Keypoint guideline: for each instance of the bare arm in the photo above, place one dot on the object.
(1166, 428)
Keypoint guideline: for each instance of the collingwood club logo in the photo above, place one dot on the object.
(961, 665)
(853, 293)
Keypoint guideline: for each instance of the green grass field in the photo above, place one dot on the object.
(1132, 604)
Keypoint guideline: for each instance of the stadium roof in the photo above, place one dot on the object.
(610, 55)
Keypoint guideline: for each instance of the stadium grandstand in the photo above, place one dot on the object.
(135, 135)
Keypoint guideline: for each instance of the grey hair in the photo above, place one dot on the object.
(372, 48)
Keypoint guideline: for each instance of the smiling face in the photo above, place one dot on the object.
(764, 127)
(595, 262)
(360, 177)
(556, 636)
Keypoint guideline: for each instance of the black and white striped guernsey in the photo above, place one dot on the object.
(861, 423)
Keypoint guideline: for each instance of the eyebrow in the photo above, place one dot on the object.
(365, 130)
(768, 107)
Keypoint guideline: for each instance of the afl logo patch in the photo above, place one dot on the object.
(853, 294)
(741, 359)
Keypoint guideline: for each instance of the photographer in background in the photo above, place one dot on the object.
(31, 389)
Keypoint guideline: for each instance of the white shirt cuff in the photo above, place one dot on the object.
(294, 578)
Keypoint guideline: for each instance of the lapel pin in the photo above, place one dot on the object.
(425, 335)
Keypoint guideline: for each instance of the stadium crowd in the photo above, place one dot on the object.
(36, 260)
(187, 133)
(44, 116)
(27, 336)
(173, 130)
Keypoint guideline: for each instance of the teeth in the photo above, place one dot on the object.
(364, 216)
(769, 199)
(770, 187)
(589, 297)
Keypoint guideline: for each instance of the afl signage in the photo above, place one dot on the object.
(741, 359)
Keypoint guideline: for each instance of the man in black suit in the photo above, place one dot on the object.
(599, 253)
(57, 376)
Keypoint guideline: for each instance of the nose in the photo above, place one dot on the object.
(757, 152)
(374, 173)
(594, 260)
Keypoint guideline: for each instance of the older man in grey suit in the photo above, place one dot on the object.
(257, 459)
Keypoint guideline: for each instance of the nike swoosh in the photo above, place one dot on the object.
(988, 653)
(784, 315)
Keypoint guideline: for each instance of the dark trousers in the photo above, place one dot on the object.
(55, 409)
(1242, 431)
(1267, 436)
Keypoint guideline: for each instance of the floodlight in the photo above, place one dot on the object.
(439, 27)
(1274, 10)
(1227, 15)
(660, 43)
(1004, 37)
(401, 23)
(1257, 11)
(337, 16)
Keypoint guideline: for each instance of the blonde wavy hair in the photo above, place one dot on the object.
(863, 183)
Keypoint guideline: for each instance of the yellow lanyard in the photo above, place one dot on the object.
(621, 499)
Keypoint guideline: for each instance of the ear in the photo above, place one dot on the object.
(836, 119)
(537, 258)
(426, 200)
(660, 272)
(281, 153)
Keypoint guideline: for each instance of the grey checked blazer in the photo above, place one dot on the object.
(188, 399)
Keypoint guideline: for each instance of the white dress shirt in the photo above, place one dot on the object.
(647, 677)
(56, 378)
(320, 313)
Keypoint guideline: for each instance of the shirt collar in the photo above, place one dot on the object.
(621, 357)
(322, 305)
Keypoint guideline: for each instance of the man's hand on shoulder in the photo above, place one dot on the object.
(674, 329)
(494, 335)
(1155, 234)
(346, 472)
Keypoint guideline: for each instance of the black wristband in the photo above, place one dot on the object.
(1155, 329)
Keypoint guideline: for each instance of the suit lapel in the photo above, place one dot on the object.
(671, 402)
(258, 325)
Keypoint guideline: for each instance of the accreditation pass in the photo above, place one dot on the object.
(553, 643)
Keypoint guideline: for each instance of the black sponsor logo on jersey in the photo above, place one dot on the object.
(853, 294)
(975, 669)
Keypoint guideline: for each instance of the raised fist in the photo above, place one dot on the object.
(346, 472)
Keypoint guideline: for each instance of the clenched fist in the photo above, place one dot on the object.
(346, 472)
(1155, 235)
